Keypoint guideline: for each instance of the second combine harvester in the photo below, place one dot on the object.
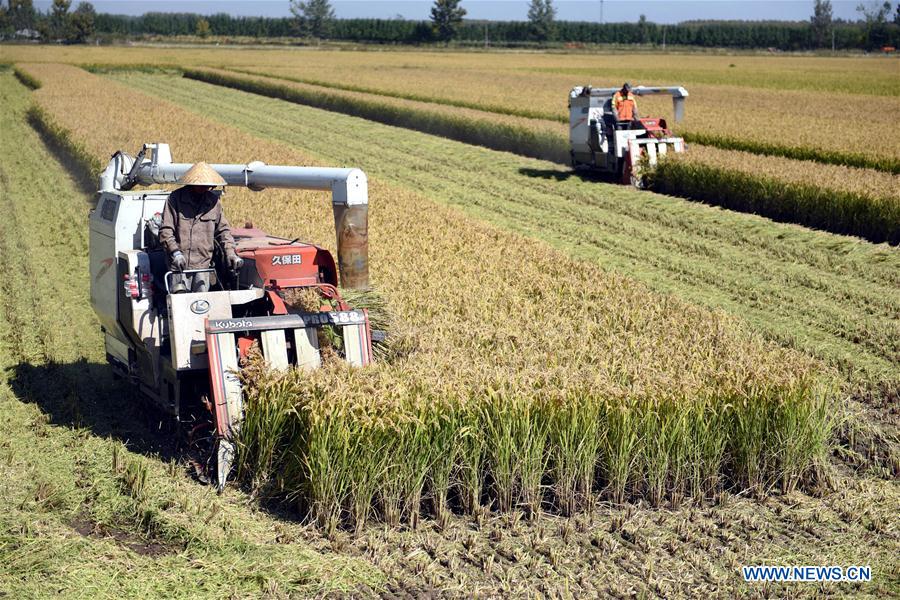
(600, 142)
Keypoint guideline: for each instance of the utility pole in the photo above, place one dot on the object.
(664, 38)
(601, 12)
(832, 39)
(487, 41)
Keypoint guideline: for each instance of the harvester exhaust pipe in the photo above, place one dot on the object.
(349, 195)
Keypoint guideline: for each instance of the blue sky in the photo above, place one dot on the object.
(660, 11)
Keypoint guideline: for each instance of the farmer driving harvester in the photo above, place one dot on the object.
(193, 222)
(624, 104)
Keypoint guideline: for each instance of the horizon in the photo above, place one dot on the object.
(608, 11)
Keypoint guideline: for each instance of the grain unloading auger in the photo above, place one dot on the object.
(600, 142)
(183, 350)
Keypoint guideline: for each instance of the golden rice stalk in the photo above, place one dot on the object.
(499, 344)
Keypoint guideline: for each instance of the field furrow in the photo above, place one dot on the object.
(833, 296)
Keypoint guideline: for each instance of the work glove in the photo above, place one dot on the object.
(235, 261)
(178, 261)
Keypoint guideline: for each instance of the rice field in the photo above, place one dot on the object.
(722, 114)
(786, 101)
(501, 358)
(864, 202)
(576, 352)
(831, 296)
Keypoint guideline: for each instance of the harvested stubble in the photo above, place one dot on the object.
(531, 368)
(863, 202)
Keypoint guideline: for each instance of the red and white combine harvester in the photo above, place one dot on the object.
(599, 142)
(183, 350)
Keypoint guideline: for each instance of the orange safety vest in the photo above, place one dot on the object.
(625, 106)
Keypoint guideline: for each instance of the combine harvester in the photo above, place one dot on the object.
(183, 350)
(600, 143)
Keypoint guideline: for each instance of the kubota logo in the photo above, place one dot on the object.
(287, 259)
(199, 307)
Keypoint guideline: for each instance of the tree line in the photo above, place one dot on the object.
(878, 26)
(18, 18)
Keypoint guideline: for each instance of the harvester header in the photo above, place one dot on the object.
(601, 141)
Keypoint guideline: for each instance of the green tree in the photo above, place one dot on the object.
(82, 22)
(59, 24)
(313, 17)
(541, 19)
(821, 21)
(875, 16)
(18, 15)
(446, 17)
(203, 30)
(643, 30)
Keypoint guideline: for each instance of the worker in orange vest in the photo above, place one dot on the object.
(624, 104)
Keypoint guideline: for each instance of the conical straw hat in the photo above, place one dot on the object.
(201, 174)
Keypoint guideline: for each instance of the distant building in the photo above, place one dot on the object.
(27, 34)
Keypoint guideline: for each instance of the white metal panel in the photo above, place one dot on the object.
(274, 347)
(306, 342)
(116, 225)
(117, 348)
(245, 296)
(353, 345)
(228, 360)
(579, 126)
(188, 330)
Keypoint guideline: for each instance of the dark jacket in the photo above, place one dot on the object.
(194, 224)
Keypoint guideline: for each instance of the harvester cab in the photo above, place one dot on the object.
(601, 143)
(184, 351)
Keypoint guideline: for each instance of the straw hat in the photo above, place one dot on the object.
(201, 174)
